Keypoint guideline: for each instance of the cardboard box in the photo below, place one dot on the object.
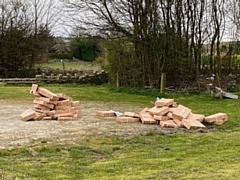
(171, 109)
(60, 107)
(27, 115)
(198, 117)
(44, 108)
(169, 114)
(175, 104)
(67, 118)
(178, 122)
(164, 102)
(219, 122)
(147, 118)
(39, 116)
(161, 118)
(216, 117)
(145, 110)
(124, 119)
(64, 103)
(158, 111)
(168, 124)
(131, 114)
(109, 113)
(43, 103)
(47, 118)
(192, 124)
(181, 112)
(64, 96)
(42, 99)
(34, 89)
(48, 94)
(75, 104)
(64, 115)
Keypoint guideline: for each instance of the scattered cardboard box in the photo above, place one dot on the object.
(47, 104)
(168, 114)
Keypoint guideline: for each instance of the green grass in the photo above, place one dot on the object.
(77, 65)
(193, 155)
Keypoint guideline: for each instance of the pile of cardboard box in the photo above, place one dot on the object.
(169, 114)
(51, 106)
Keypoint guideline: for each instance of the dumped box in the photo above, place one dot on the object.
(46, 103)
(192, 124)
(108, 113)
(27, 115)
(168, 124)
(178, 122)
(125, 119)
(158, 111)
(161, 118)
(169, 114)
(147, 118)
(164, 102)
(217, 118)
(181, 112)
(47, 93)
(198, 117)
(131, 114)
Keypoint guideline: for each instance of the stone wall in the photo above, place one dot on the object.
(72, 76)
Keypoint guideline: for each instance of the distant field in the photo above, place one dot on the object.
(78, 65)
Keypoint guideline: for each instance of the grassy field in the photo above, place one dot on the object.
(193, 155)
(72, 65)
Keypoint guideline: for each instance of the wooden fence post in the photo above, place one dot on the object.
(163, 82)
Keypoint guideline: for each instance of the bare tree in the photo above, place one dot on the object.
(167, 35)
(23, 36)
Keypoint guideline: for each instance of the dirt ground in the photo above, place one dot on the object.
(15, 132)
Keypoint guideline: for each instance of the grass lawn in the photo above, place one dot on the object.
(193, 155)
(76, 65)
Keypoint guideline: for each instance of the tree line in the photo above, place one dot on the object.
(25, 35)
(149, 37)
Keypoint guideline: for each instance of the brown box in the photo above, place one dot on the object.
(47, 118)
(49, 113)
(168, 124)
(48, 94)
(198, 117)
(178, 122)
(147, 118)
(216, 117)
(67, 118)
(109, 113)
(34, 89)
(42, 99)
(44, 103)
(158, 111)
(131, 114)
(64, 115)
(169, 114)
(39, 106)
(192, 124)
(75, 104)
(66, 102)
(171, 109)
(219, 122)
(175, 105)
(28, 115)
(181, 112)
(145, 110)
(39, 116)
(64, 96)
(161, 118)
(164, 102)
(61, 107)
(124, 119)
